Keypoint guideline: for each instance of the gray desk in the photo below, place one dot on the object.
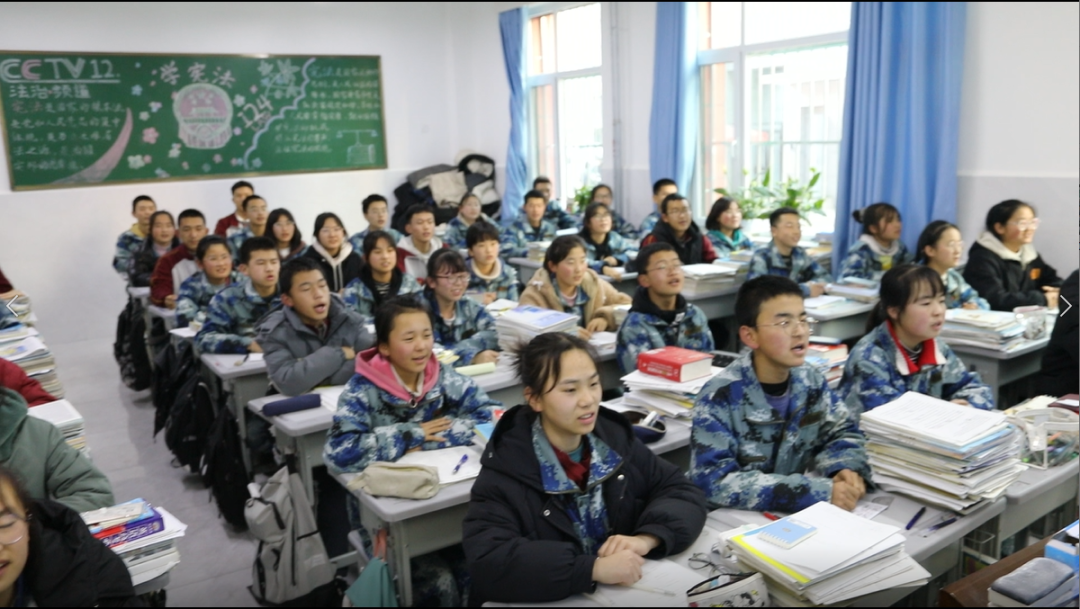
(999, 368)
(845, 320)
(243, 383)
(525, 268)
(1035, 494)
(166, 315)
(140, 294)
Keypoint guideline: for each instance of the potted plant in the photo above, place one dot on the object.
(761, 196)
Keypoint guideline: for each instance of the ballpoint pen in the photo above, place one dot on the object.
(915, 518)
(457, 467)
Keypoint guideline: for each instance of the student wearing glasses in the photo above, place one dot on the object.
(288, 240)
(607, 248)
(724, 228)
(783, 256)
(768, 418)
(678, 229)
(461, 325)
(334, 252)
(1003, 265)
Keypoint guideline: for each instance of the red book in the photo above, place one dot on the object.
(675, 363)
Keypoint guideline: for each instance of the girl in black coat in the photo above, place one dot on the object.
(568, 497)
(49, 557)
(334, 253)
(160, 241)
(1004, 267)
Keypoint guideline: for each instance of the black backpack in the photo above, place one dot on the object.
(189, 422)
(129, 349)
(222, 469)
(173, 367)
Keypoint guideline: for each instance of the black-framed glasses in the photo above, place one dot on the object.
(792, 327)
(456, 279)
(700, 560)
(12, 529)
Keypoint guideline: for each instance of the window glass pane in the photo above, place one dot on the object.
(770, 21)
(581, 133)
(794, 111)
(577, 33)
(720, 23)
(542, 44)
(542, 111)
(718, 130)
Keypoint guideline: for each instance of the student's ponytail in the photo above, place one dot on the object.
(898, 286)
(873, 215)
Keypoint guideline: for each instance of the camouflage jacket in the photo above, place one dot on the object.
(648, 224)
(455, 231)
(803, 269)
(745, 457)
(129, 242)
(877, 372)
(724, 246)
(644, 329)
(471, 331)
(237, 238)
(504, 283)
(864, 262)
(558, 216)
(620, 225)
(618, 245)
(195, 295)
(373, 424)
(958, 293)
(360, 298)
(357, 240)
(517, 237)
(231, 319)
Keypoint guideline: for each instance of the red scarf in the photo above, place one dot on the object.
(926, 356)
(578, 473)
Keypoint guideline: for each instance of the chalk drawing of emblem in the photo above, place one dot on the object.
(204, 114)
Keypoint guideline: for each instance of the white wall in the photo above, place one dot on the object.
(1020, 119)
(57, 244)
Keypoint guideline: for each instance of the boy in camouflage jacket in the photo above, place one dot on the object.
(529, 227)
(233, 313)
(784, 258)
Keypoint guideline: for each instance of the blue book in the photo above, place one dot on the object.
(786, 532)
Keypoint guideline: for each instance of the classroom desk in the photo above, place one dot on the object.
(243, 383)
(525, 268)
(140, 294)
(179, 335)
(999, 368)
(1035, 494)
(167, 315)
(154, 585)
(845, 320)
(717, 303)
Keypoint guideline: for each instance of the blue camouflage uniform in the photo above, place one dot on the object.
(744, 456)
(358, 296)
(195, 295)
(127, 245)
(559, 216)
(877, 373)
(958, 293)
(471, 331)
(517, 237)
(619, 248)
(231, 318)
(622, 226)
(505, 284)
(236, 239)
(863, 262)
(724, 245)
(648, 224)
(357, 240)
(456, 228)
(802, 269)
(645, 329)
(371, 424)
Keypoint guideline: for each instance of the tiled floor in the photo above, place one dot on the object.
(215, 566)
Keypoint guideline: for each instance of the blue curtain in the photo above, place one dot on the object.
(512, 25)
(676, 103)
(901, 115)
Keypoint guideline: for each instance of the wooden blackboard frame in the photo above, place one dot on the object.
(230, 175)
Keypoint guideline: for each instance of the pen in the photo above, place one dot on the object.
(243, 361)
(457, 467)
(915, 518)
(941, 525)
(652, 590)
(770, 516)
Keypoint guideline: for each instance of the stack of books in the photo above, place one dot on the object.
(699, 278)
(997, 330)
(937, 452)
(64, 417)
(522, 324)
(825, 555)
(143, 536)
(741, 256)
(537, 249)
(36, 360)
(829, 359)
(668, 380)
(855, 289)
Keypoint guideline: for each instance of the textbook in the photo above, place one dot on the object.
(65, 418)
(786, 532)
(675, 363)
(698, 278)
(525, 322)
(853, 292)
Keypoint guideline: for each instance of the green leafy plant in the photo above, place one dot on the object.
(761, 196)
(581, 199)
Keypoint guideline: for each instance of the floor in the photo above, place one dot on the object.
(215, 566)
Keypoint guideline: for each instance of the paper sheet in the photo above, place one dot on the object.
(445, 460)
(868, 510)
(952, 424)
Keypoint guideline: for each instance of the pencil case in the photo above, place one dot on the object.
(300, 402)
(388, 479)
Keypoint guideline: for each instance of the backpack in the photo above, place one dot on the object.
(173, 366)
(222, 468)
(374, 587)
(189, 421)
(291, 565)
(129, 349)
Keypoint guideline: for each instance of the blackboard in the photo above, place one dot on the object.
(75, 119)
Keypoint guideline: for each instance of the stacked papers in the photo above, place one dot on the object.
(14, 332)
(999, 330)
(537, 250)
(937, 452)
(705, 277)
(522, 324)
(846, 558)
(147, 556)
(500, 306)
(35, 359)
(663, 396)
(64, 417)
(854, 291)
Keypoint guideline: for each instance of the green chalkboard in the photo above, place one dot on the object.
(75, 119)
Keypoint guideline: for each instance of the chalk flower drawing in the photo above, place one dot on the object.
(174, 152)
(144, 115)
(136, 90)
(217, 158)
(206, 167)
(161, 173)
(135, 162)
(147, 158)
(150, 135)
(256, 163)
(185, 165)
(155, 106)
(238, 100)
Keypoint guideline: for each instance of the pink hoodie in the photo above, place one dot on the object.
(371, 365)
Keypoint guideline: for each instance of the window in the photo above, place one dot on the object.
(772, 81)
(565, 98)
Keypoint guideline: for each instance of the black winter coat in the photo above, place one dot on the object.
(1060, 373)
(67, 567)
(142, 263)
(1005, 284)
(520, 543)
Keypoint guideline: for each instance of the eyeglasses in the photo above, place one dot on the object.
(700, 560)
(665, 268)
(678, 211)
(956, 245)
(601, 216)
(12, 529)
(457, 279)
(1023, 225)
(331, 230)
(792, 327)
(285, 224)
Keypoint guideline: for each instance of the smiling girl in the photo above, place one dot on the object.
(902, 353)
(379, 279)
(606, 248)
(879, 248)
